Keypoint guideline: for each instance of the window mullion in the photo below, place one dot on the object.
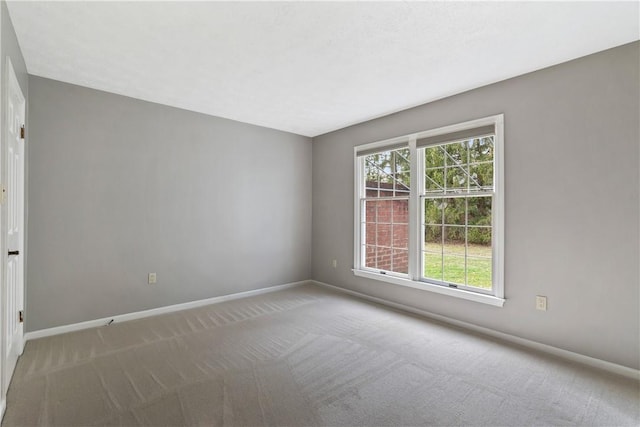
(359, 193)
(415, 219)
(497, 210)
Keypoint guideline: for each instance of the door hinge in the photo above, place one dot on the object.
(22, 132)
(21, 316)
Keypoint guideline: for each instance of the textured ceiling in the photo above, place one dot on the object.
(307, 68)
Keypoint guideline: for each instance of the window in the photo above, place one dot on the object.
(386, 211)
(429, 210)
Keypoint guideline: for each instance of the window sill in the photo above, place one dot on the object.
(424, 286)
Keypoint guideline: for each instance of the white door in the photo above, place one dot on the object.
(14, 264)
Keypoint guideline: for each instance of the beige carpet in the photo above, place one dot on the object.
(305, 356)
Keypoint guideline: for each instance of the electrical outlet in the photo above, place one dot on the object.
(152, 278)
(541, 303)
(334, 263)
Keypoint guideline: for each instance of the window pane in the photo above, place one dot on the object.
(402, 171)
(456, 153)
(454, 211)
(370, 233)
(383, 258)
(400, 237)
(402, 160)
(481, 177)
(480, 236)
(383, 235)
(370, 229)
(479, 253)
(433, 266)
(479, 272)
(432, 211)
(454, 239)
(371, 175)
(434, 169)
(370, 209)
(479, 210)
(384, 211)
(383, 164)
(454, 271)
(481, 149)
(434, 157)
(370, 256)
(400, 260)
(400, 211)
(456, 166)
(387, 174)
(456, 179)
(434, 180)
(433, 238)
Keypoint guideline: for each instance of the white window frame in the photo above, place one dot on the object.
(413, 278)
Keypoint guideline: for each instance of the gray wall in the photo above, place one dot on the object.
(572, 220)
(120, 188)
(9, 46)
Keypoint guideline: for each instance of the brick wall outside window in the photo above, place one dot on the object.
(386, 232)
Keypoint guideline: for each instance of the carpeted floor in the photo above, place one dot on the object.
(303, 357)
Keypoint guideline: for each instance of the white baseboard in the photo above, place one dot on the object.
(153, 312)
(565, 354)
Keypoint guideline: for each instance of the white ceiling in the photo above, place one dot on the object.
(308, 68)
